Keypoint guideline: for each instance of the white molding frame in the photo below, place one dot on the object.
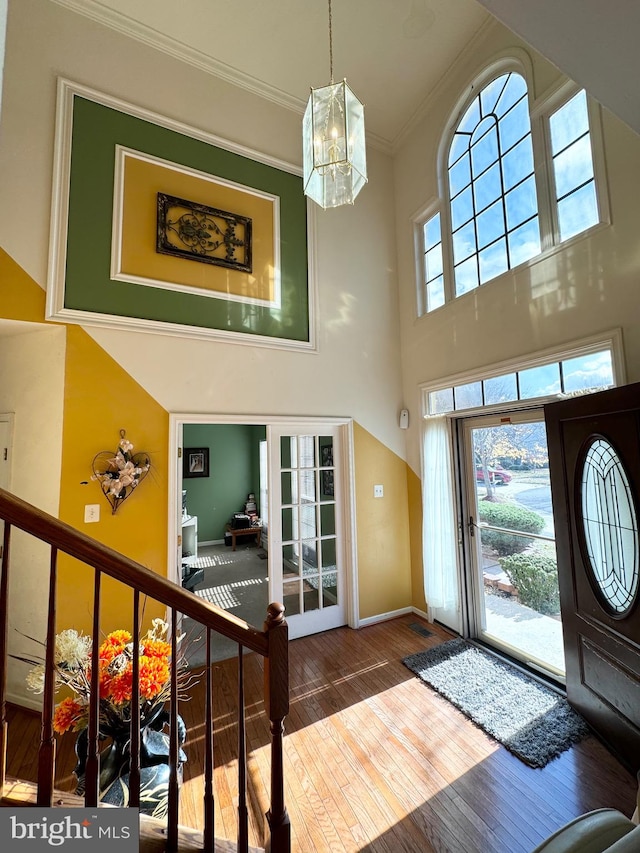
(177, 420)
(67, 90)
(385, 617)
(117, 274)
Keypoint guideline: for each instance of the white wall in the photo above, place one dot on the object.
(589, 288)
(32, 387)
(356, 371)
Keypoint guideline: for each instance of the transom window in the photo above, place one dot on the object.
(491, 222)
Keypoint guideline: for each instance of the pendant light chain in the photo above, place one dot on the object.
(330, 46)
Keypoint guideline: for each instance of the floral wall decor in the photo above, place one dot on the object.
(121, 473)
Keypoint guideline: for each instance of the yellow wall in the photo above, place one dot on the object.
(384, 571)
(100, 398)
(415, 526)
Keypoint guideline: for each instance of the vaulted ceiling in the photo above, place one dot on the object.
(393, 52)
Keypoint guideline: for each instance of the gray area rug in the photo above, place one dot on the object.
(532, 721)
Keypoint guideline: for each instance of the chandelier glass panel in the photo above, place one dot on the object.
(334, 151)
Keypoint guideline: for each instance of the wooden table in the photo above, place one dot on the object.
(244, 531)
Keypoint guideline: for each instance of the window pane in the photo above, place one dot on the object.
(487, 188)
(493, 261)
(459, 145)
(569, 122)
(435, 293)
(517, 164)
(459, 175)
(491, 93)
(484, 152)
(514, 90)
(573, 167)
(432, 232)
(539, 381)
(433, 260)
(578, 211)
(521, 203)
(471, 118)
(514, 125)
(441, 401)
(466, 276)
(468, 396)
(491, 224)
(588, 371)
(524, 242)
(500, 389)
(461, 208)
(464, 242)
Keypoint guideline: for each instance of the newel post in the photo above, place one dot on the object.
(276, 700)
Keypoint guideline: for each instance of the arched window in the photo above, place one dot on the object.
(503, 207)
(492, 190)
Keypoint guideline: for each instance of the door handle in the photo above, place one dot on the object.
(471, 526)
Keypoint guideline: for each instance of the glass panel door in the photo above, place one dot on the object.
(306, 527)
(512, 575)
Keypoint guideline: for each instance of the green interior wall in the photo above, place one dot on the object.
(234, 471)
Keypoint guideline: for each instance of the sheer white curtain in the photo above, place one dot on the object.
(439, 538)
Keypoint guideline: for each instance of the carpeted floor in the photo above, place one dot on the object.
(236, 581)
(531, 720)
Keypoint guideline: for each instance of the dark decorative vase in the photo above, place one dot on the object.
(115, 764)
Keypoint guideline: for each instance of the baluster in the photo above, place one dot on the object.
(47, 751)
(174, 746)
(4, 637)
(243, 815)
(92, 769)
(209, 798)
(276, 697)
(134, 745)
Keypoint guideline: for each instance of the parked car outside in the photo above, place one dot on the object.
(498, 476)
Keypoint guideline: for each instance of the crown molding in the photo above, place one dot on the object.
(178, 50)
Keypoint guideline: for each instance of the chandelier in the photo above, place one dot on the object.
(334, 153)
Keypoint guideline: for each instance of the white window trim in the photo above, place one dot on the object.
(611, 340)
(540, 108)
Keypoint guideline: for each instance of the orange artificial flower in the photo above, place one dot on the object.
(154, 674)
(66, 715)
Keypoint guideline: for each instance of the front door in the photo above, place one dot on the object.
(306, 526)
(510, 558)
(594, 456)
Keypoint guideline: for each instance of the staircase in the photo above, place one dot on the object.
(271, 643)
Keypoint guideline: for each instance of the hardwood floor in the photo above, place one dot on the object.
(374, 760)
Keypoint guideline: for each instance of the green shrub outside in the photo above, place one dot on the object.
(535, 576)
(515, 518)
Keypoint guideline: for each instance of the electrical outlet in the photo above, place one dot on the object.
(378, 491)
(91, 513)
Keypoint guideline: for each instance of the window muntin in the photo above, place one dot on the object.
(493, 223)
(491, 185)
(590, 372)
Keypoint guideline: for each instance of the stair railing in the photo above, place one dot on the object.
(271, 643)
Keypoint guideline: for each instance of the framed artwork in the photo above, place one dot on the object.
(195, 462)
(139, 197)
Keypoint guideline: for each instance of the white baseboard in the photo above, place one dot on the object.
(25, 700)
(202, 542)
(384, 617)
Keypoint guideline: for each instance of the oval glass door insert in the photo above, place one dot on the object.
(610, 527)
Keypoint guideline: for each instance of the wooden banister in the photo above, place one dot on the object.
(271, 643)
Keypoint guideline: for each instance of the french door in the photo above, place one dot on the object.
(306, 525)
(508, 531)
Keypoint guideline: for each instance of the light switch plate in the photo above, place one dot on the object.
(378, 491)
(91, 513)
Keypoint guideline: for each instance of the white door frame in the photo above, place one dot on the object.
(177, 420)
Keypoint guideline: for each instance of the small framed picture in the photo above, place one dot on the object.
(195, 462)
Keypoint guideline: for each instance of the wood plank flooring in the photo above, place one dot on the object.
(374, 760)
